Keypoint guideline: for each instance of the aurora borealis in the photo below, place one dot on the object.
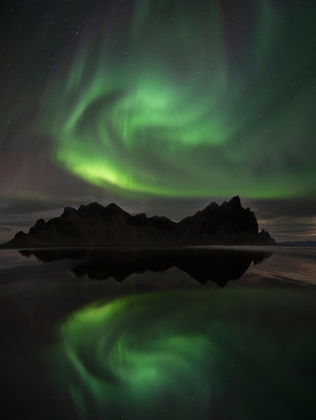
(160, 106)
(166, 108)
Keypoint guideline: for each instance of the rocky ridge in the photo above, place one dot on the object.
(96, 225)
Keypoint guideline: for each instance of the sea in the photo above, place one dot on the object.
(137, 333)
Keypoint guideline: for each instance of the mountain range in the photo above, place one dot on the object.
(96, 225)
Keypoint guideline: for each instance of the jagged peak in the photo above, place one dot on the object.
(20, 235)
(156, 217)
(264, 233)
(113, 208)
(212, 206)
(91, 205)
(143, 215)
(38, 225)
(90, 209)
(235, 200)
(68, 210)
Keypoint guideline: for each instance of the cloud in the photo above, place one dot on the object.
(17, 223)
(5, 229)
(294, 208)
(31, 205)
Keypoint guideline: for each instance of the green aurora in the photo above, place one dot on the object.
(167, 103)
(186, 355)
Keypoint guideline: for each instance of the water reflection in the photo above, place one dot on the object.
(203, 265)
(195, 352)
(189, 356)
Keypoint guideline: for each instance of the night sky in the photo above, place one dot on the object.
(161, 106)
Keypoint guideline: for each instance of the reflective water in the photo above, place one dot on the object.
(163, 334)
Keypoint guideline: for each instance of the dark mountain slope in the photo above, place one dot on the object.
(95, 224)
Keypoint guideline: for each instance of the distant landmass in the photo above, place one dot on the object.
(96, 225)
(299, 243)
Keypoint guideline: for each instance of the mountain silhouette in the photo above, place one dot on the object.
(94, 224)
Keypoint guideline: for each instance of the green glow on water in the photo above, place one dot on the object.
(185, 355)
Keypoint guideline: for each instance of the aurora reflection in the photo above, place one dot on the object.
(186, 355)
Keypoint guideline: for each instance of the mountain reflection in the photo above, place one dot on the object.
(202, 265)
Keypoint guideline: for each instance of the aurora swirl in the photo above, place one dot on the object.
(167, 103)
(186, 355)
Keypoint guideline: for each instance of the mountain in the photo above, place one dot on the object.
(94, 224)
